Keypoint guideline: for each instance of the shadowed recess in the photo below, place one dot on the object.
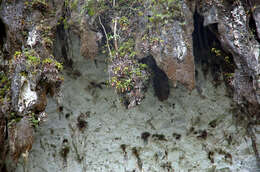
(2, 34)
(208, 52)
(159, 79)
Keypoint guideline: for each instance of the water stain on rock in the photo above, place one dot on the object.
(213, 123)
(167, 166)
(176, 136)
(123, 147)
(60, 109)
(136, 154)
(159, 137)
(210, 156)
(227, 156)
(67, 115)
(203, 134)
(65, 149)
(145, 136)
(82, 124)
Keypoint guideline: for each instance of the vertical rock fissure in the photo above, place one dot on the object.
(2, 34)
(253, 28)
(63, 50)
(208, 52)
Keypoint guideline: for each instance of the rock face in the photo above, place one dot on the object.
(3, 135)
(170, 44)
(21, 139)
(235, 36)
(35, 34)
(95, 133)
(175, 56)
(255, 7)
(89, 45)
(237, 30)
(28, 71)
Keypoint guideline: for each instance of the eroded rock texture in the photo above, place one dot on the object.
(236, 26)
(21, 139)
(255, 7)
(172, 44)
(28, 71)
(236, 37)
(32, 32)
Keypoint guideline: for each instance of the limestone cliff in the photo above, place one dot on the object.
(167, 41)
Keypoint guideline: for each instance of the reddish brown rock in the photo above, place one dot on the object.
(171, 46)
(89, 46)
(182, 72)
(21, 138)
(88, 39)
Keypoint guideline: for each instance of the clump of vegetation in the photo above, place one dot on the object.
(5, 86)
(33, 120)
(126, 73)
(13, 119)
(50, 60)
(228, 66)
(38, 71)
(164, 11)
(71, 4)
(34, 63)
(43, 75)
(94, 7)
(31, 67)
(46, 34)
(64, 22)
(47, 42)
(125, 70)
(37, 4)
(216, 51)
